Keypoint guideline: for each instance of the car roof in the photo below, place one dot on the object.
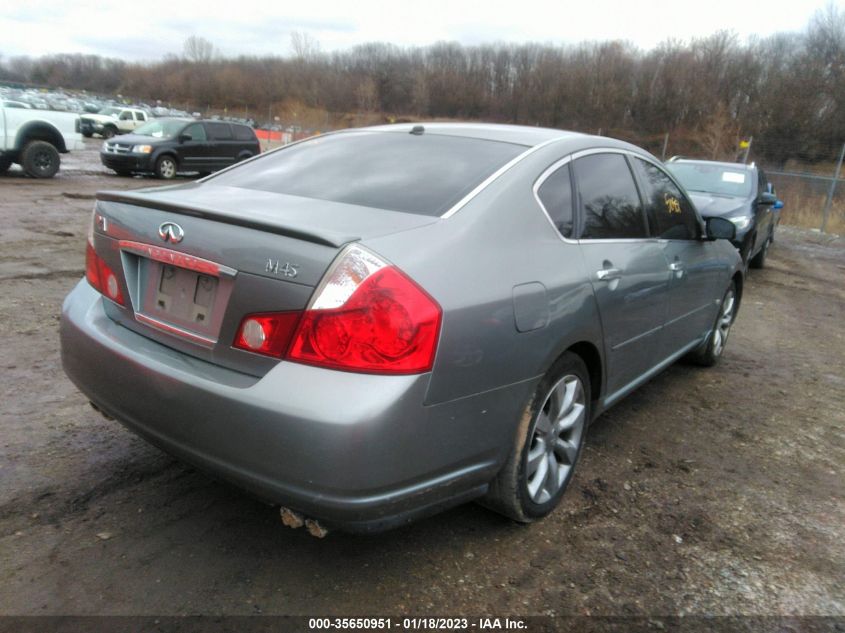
(519, 134)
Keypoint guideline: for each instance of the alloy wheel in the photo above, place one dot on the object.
(724, 322)
(555, 439)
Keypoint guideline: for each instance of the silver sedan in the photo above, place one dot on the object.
(369, 326)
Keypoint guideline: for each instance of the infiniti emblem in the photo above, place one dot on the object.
(171, 232)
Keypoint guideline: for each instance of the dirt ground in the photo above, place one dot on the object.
(708, 491)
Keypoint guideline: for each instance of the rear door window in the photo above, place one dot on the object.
(670, 213)
(610, 204)
(219, 131)
(425, 174)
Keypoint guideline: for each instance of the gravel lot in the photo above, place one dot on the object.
(713, 491)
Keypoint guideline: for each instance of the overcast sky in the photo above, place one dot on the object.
(149, 29)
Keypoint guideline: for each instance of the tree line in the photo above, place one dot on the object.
(786, 90)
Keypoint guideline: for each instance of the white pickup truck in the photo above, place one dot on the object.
(35, 138)
(113, 120)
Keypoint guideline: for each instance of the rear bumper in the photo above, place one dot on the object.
(360, 452)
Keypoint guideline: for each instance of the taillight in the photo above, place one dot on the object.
(267, 333)
(368, 316)
(101, 276)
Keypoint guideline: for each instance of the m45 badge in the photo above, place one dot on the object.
(287, 270)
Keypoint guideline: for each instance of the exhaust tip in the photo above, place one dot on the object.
(291, 519)
(315, 529)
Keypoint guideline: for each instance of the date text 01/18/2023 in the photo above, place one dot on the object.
(418, 624)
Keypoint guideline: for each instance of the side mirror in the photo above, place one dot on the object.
(720, 229)
(778, 205)
(767, 199)
(185, 137)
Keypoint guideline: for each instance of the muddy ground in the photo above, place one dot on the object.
(716, 491)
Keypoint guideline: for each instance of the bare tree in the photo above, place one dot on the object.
(198, 49)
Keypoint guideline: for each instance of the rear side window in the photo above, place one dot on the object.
(610, 203)
(219, 131)
(670, 214)
(243, 133)
(424, 174)
(556, 195)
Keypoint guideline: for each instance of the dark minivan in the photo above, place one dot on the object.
(165, 147)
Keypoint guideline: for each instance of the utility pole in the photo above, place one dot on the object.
(665, 146)
(747, 150)
(832, 189)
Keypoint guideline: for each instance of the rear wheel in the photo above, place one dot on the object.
(166, 167)
(109, 131)
(711, 351)
(549, 439)
(39, 159)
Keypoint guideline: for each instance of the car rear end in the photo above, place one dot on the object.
(254, 334)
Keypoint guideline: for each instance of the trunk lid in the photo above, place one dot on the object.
(193, 260)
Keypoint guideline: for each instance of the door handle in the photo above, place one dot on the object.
(608, 274)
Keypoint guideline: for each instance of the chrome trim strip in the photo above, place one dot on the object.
(568, 159)
(175, 331)
(486, 183)
(176, 258)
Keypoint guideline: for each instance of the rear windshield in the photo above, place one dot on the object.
(424, 174)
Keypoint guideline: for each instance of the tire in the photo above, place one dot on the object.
(759, 260)
(166, 167)
(710, 353)
(5, 163)
(123, 172)
(524, 489)
(39, 159)
(109, 131)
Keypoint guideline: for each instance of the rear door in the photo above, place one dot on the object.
(222, 143)
(195, 153)
(140, 119)
(693, 276)
(627, 268)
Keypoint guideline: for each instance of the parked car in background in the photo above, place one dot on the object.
(6, 103)
(113, 120)
(375, 324)
(35, 139)
(740, 193)
(165, 147)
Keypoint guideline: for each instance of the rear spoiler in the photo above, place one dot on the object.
(139, 199)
